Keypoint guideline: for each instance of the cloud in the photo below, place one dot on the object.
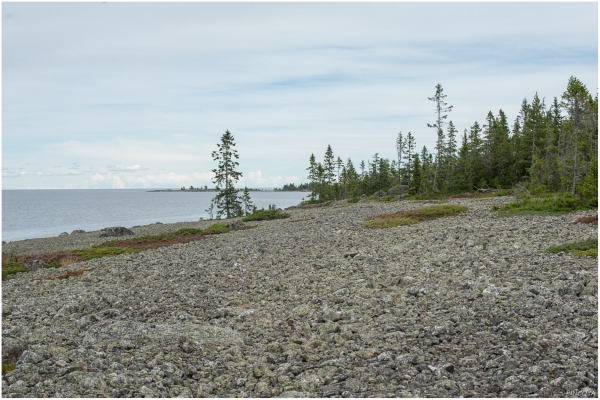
(196, 178)
(258, 179)
(119, 168)
(10, 174)
(286, 79)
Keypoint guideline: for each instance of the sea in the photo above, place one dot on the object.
(28, 214)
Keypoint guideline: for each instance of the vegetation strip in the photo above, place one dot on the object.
(588, 247)
(411, 217)
(560, 203)
(264, 215)
(12, 264)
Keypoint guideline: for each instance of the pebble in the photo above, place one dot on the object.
(283, 310)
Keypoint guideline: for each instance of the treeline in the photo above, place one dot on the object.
(291, 187)
(548, 148)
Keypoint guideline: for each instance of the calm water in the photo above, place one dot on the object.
(30, 214)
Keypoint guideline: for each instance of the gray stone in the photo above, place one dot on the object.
(35, 264)
(116, 231)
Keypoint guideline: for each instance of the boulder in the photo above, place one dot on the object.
(116, 231)
(379, 194)
(35, 264)
(77, 231)
(64, 234)
(396, 190)
(237, 224)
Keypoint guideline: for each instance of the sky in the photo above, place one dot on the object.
(137, 95)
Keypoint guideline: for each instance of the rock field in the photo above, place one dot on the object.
(463, 306)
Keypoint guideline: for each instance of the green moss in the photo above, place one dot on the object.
(414, 216)
(263, 215)
(8, 367)
(99, 252)
(216, 229)
(557, 203)
(12, 267)
(588, 247)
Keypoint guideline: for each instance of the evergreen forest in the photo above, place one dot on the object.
(549, 148)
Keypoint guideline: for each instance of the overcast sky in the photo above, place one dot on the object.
(131, 95)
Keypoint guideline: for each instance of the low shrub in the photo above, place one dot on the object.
(411, 217)
(353, 200)
(8, 367)
(263, 215)
(588, 247)
(557, 203)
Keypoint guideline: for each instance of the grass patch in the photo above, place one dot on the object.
(558, 203)
(184, 235)
(588, 247)
(264, 215)
(411, 217)
(8, 367)
(12, 264)
(353, 200)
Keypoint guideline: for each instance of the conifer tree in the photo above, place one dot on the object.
(226, 201)
(574, 99)
(416, 175)
(400, 149)
(247, 204)
(441, 108)
(312, 177)
(411, 145)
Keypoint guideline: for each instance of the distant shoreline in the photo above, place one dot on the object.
(213, 190)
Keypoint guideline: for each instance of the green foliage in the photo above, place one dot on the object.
(216, 229)
(353, 200)
(262, 214)
(558, 203)
(414, 216)
(589, 186)
(99, 252)
(8, 367)
(226, 201)
(588, 247)
(13, 267)
(544, 149)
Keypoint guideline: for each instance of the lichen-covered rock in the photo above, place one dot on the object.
(462, 306)
(116, 231)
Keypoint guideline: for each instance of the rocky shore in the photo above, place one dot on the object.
(316, 305)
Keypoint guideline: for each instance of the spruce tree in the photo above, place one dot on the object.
(411, 145)
(247, 204)
(226, 201)
(313, 181)
(441, 108)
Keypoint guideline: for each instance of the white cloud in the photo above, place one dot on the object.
(117, 183)
(257, 178)
(98, 178)
(192, 179)
(131, 168)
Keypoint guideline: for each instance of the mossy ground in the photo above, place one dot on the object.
(12, 264)
(588, 247)
(8, 367)
(264, 215)
(411, 217)
(555, 203)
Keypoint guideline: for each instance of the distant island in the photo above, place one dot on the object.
(289, 187)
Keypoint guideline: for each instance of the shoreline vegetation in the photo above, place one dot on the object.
(15, 263)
